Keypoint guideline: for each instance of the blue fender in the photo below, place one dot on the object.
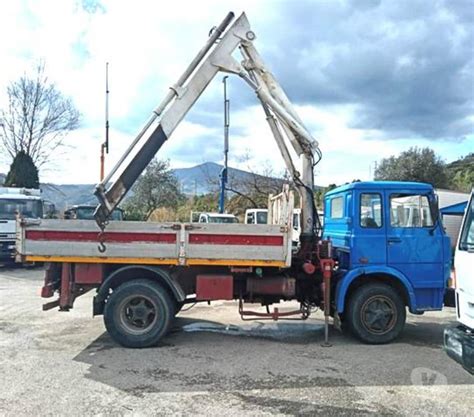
(350, 276)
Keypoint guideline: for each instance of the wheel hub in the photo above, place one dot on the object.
(138, 314)
(379, 314)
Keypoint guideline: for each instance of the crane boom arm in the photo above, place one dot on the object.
(215, 56)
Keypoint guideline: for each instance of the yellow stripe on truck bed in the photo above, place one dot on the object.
(153, 261)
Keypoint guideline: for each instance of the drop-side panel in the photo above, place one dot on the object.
(160, 243)
(238, 242)
(80, 238)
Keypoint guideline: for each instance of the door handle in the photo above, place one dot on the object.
(394, 240)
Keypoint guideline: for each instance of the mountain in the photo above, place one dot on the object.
(200, 179)
(67, 195)
(205, 178)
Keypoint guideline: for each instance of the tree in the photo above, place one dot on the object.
(23, 172)
(197, 204)
(320, 193)
(416, 164)
(156, 187)
(461, 173)
(37, 118)
(250, 188)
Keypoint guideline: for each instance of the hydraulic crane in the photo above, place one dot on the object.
(285, 125)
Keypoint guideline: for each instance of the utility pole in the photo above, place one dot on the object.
(372, 172)
(105, 145)
(223, 174)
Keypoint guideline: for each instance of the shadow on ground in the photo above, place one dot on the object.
(201, 355)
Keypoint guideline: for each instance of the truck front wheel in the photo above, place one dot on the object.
(138, 313)
(375, 313)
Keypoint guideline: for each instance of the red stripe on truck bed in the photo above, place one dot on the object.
(111, 237)
(253, 240)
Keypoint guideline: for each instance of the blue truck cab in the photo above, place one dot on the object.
(392, 253)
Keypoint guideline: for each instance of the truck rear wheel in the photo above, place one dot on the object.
(138, 313)
(375, 313)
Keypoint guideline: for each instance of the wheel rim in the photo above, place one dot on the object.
(138, 314)
(378, 314)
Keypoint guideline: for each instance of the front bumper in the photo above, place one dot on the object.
(459, 344)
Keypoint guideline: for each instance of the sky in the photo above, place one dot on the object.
(369, 78)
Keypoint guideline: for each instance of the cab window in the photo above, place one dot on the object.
(336, 208)
(410, 211)
(370, 210)
(466, 242)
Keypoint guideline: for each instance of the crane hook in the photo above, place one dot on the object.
(101, 247)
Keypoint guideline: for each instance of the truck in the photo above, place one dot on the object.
(365, 269)
(459, 339)
(260, 216)
(256, 216)
(13, 200)
(392, 251)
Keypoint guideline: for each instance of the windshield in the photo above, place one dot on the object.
(217, 219)
(467, 235)
(262, 217)
(9, 207)
(87, 213)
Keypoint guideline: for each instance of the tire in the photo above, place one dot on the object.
(138, 313)
(375, 314)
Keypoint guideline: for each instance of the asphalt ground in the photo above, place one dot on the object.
(212, 363)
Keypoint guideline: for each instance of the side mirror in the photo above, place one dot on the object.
(434, 211)
(434, 208)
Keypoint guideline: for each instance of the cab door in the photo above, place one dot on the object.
(369, 237)
(415, 246)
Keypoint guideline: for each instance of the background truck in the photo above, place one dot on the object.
(256, 216)
(369, 265)
(260, 216)
(24, 201)
(459, 339)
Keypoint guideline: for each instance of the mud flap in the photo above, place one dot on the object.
(459, 344)
(449, 297)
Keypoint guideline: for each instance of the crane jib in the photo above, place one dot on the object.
(216, 56)
(139, 162)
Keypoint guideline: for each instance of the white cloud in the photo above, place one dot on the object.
(148, 47)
